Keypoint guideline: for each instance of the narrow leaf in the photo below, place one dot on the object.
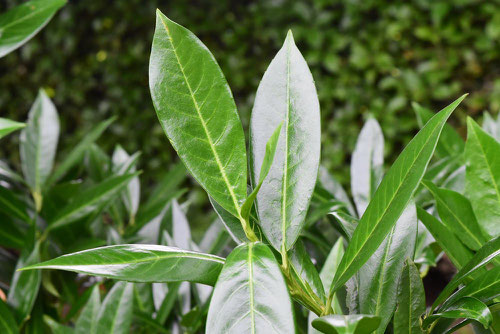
(87, 321)
(333, 186)
(7, 126)
(466, 307)
(131, 193)
(347, 324)
(7, 322)
(115, 314)
(12, 206)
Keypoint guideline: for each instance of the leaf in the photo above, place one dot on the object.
(250, 295)
(76, 154)
(483, 256)
(12, 206)
(286, 94)
(367, 164)
(131, 193)
(11, 236)
(379, 276)
(452, 246)
(38, 144)
(21, 23)
(335, 188)
(264, 170)
(197, 112)
(466, 307)
(410, 300)
(347, 324)
(490, 126)
(7, 322)
(87, 321)
(8, 126)
(391, 197)
(456, 213)
(90, 200)
(232, 224)
(482, 177)
(55, 327)
(115, 314)
(140, 263)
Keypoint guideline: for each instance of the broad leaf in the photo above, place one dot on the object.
(347, 324)
(391, 197)
(7, 322)
(250, 295)
(367, 164)
(7, 126)
(87, 321)
(482, 178)
(379, 276)
(11, 236)
(115, 314)
(466, 307)
(38, 144)
(140, 263)
(286, 94)
(21, 23)
(12, 206)
(456, 213)
(197, 112)
(491, 126)
(410, 300)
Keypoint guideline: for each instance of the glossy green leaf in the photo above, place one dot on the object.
(491, 126)
(8, 126)
(466, 307)
(131, 193)
(7, 322)
(21, 23)
(456, 213)
(197, 112)
(115, 314)
(140, 263)
(410, 300)
(250, 295)
(392, 196)
(483, 256)
(452, 246)
(347, 324)
(87, 321)
(379, 276)
(482, 178)
(90, 200)
(286, 94)
(232, 224)
(367, 164)
(12, 206)
(346, 222)
(38, 144)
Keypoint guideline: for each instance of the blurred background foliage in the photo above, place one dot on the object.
(367, 57)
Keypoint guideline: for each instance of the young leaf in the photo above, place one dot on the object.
(466, 307)
(250, 295)
(140, 263)
(452, 246)
(379, 276)
(90, 200)
(391, 197)
(7, 322)
(347, 324)
(367, 164)
(38, 144)
(7, 126)
(482, 178)
(456, 213)
(197, 112)
(115, 314)
(20, 24)
(483, 256)
(410, 300)
(87, 321)
(286, 94)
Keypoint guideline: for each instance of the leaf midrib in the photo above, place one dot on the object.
(250, 287)
(28, 16)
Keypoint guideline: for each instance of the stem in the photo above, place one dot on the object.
(249, 232)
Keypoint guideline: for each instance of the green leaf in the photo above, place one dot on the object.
(38, 144)
(379, 276)
(197, 112)
(87, 320)
(140, 263)
(115, 314)
(7, 126)
(347, 324)
(131, 193)
(456, 213)
(482, 177)
(12, 206)
(466, 307)
(391, 197)
(367, 164)
(410, 300)
(264, 170)
(490, 126)
(232, 224)
(90, 200)
(7, 322)
(334, 187)
(286, 94)
(483, 256)
(452, 246)
(250, 295)
(76, 154)
(21, 23)
(11, 236)
(55, 327)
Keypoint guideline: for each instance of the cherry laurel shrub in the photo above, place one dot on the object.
(290, 217)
